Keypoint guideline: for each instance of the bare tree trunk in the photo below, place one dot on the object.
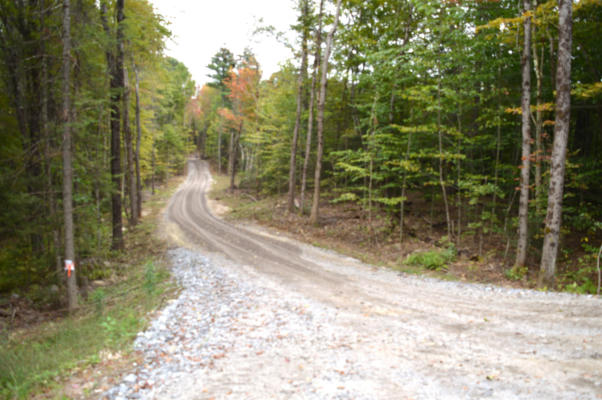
(219, 149)
(458, 177)
(310, 118)
(371, 162)
(315, 207)
(404, 187)
(115, 63)
(153, 165)
(138, 139)
(441, 180)
(52, 207)
(523, 205)
(129, 147)
(234, 136)
(302, 72)
(67, 160)
(538, 68)
(561, 133)
(498, 145)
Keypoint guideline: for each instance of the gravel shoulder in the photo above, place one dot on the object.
(265, 317)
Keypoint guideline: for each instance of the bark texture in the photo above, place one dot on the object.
(138, 138)
(523, 205)
(310, 117)
(315, 207)
(302, 72)
(116, 94)
(67, 156)
(561, 133)
(129, 149)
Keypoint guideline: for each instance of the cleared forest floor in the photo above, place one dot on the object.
(346, 229)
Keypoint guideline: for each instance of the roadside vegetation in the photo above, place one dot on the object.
(426, 251)
(408, 125)
(40, 350)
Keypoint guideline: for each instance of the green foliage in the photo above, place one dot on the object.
(150, 278)
(108, 321)
(98, 299)
(434, 259)
(516, 273)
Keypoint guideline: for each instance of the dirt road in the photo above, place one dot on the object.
(387, 335)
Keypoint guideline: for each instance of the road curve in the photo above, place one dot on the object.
(466, 340)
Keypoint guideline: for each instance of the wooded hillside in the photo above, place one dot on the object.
(456, 112)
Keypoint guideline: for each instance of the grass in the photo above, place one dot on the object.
(35, 360)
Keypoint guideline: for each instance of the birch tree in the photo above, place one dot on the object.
(315, 207)
(561, 133)
(304, 6)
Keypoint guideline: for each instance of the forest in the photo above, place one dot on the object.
(92, 117)
(482, 118)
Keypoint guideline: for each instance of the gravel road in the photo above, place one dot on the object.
(263, 317)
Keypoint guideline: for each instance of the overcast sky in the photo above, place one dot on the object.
(201, 27)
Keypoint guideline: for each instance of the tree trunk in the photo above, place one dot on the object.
(52, 207)
(302, 72)
(523, 205)
(371, 163)
(538, 68)
(138, 139)
(310, 118)
(315, 207)
(116, 92)
(67, 159)
(219, 149)
(561, 133)
(129, 148)
(404, 187)
(233, 149)
(441, 180)
(498, 145)
(153, 165)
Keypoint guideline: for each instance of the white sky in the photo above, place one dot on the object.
(201, 27)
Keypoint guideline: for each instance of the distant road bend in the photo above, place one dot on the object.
(404, 336)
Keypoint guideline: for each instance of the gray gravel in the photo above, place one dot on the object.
(234, 334)
(277, 319)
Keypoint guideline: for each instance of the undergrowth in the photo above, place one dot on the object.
(38, 358)
(435, 260)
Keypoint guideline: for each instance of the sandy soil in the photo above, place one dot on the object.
(417, 337)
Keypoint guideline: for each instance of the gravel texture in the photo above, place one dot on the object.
(233, 334)
(262, 317)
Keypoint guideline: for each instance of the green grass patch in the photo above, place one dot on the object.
(38, 358)
(433, 259)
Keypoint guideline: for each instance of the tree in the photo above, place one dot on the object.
(129, 152)
(312, 98)
(523, 210)
(304, 6)
(315, 213)
(561, 133)
(115, 62)
(221, 63)
(243, 88)
(67, 160)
